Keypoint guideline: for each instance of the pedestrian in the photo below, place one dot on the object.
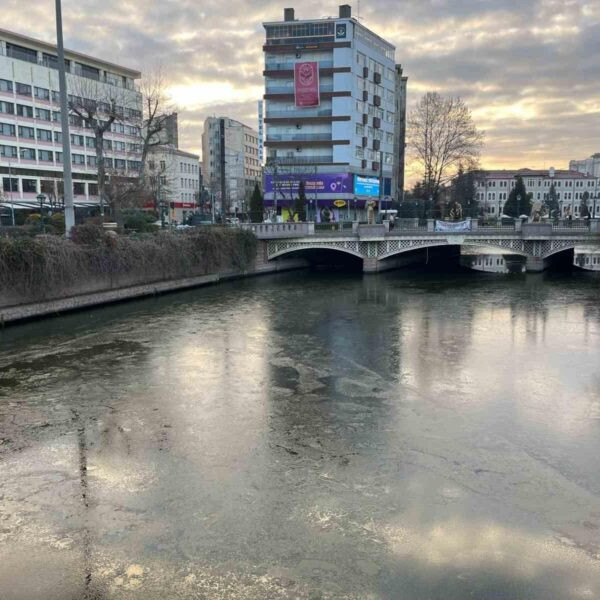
(392, 221)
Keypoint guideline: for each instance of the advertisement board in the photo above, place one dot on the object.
(288, 184)
(366, 186)
(306, 84)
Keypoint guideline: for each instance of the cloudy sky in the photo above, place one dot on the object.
(529, 69)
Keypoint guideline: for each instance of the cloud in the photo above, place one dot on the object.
(527, 68)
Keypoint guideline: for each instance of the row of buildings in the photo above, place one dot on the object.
(332, 119)
(573, 187)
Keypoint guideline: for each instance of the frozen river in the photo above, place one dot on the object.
(309, 435)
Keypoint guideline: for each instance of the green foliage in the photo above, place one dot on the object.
(257, 205)
(584, 209)
(139, 220)
(463, 192)
(57, 221)
(519, 201)
(44, 266)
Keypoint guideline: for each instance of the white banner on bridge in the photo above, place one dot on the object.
(452, 227)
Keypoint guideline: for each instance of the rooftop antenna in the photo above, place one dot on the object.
(358, 10)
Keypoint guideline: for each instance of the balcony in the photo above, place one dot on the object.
(328, 87)
(300, 160)
(52, 63)
(289, 66)
(299, 137)
(290, 114)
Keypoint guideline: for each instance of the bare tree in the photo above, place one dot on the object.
(156, 113)
(98, 106)
(442, 136)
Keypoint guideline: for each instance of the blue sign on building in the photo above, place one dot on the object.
(366, 186)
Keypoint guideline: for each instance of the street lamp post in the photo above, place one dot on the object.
(64, 119)
(40, 199)
(519, 206)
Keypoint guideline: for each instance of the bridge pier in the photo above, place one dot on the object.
(376, 265)
(535, 264)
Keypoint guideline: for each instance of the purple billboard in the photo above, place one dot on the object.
(288, 184)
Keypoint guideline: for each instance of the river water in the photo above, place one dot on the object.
(308, 435)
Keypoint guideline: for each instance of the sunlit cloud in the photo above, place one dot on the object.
(507, 59)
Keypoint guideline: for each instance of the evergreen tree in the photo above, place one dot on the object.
(300, 203)
(551, 203)
(584, 210)
(257, 205)
(463, 193)
(519, 201)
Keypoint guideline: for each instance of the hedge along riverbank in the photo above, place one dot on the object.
(46, 267)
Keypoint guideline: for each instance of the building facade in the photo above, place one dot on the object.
(30, 128)
(572, 189)
(231, 163)
(342, 145)
(176, 181)
(587, 166)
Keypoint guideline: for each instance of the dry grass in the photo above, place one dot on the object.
(41, 266)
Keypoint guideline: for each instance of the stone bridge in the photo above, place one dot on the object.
(381, 249)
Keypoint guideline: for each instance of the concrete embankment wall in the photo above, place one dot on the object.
(104, 290)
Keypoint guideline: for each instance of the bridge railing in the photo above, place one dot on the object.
(279, 230)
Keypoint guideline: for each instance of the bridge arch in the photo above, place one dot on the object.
(390, 250)
(289, 248)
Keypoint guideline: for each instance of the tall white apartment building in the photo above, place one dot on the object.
(336, 146)
(492, 189)
(587, 166)
(30, 128)
(176, 180)
(231, 164)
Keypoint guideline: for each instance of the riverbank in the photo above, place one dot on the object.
(48, 275)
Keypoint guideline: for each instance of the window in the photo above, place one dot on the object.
(26, 132)
(42, 114)
(90, 142)
(8, 151)
(79, 188)
(29, 186)
(5, 85)
(107, 144)
(7, 108)
(78, 159)
(56, 115)
(359, 152)
(93, 189)
(23, 89)
(10, 184)
(44, 135)
(134, 165)
(163, 165)
(117, 128)
(27, 153)
(360, 129)
(7, 130)
(77, 140)
(92, 161)
(119, 146)
(55, 97)
(58, 137)
(120, 164)
(25, 111)
(45, 155)
(42, 93)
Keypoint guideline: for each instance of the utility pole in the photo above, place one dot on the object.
(64, 120)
